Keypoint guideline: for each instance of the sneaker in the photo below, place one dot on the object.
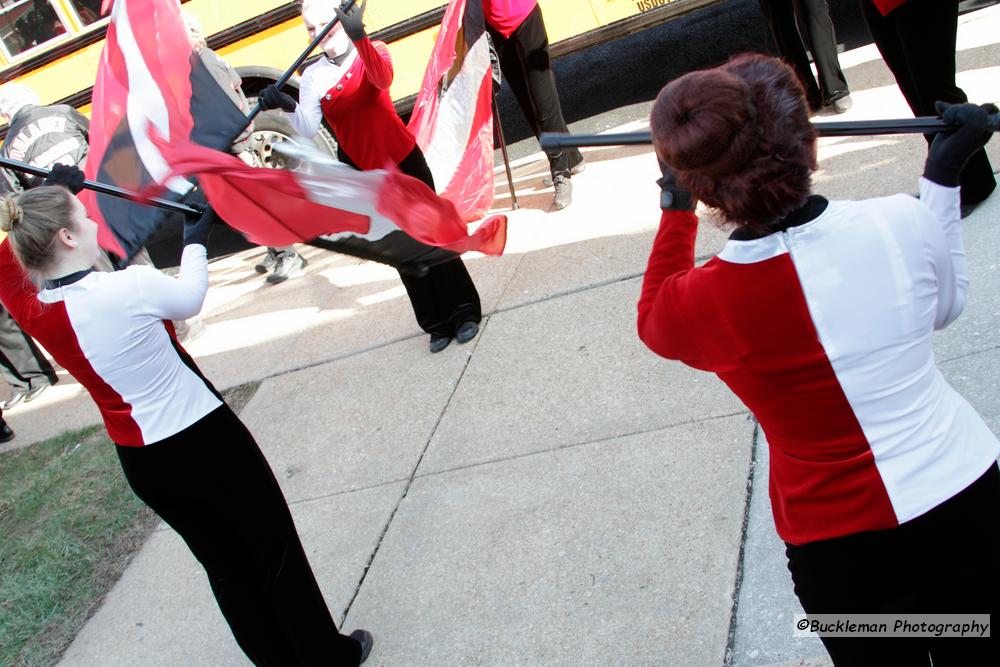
(366, 640)
(6, 432)
(574, 170)
(287, 265)
(841, 104)
(564, 192)
(267, 262)
(466, 331)
(14, 399)
(35, 392)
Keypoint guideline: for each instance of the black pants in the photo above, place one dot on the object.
(943, 562)
(22, 363)
(917, 41)
(793, 22)
(444, 297)
(525, 63)
(212, 484)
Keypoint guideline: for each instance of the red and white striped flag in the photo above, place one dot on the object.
(149, 76)
(453, 117)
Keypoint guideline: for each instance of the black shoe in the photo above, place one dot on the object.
(6, 432)
(438, 343)
(366, 640)
(466, 331)
(564, 192)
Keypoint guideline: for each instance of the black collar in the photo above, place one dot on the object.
(809, 211)
(67, 280)
(339, 60)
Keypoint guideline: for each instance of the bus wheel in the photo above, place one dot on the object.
(271, 128)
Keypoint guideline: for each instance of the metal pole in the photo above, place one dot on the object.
(301, 59)
(503, 150)
(105, 189)
(922, 125)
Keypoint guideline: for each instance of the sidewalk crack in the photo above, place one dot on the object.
(729, 655)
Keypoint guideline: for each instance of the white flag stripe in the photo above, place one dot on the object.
(146, 105)
(331, 183)
(453, 128)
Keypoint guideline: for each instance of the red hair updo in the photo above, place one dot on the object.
(739, 138)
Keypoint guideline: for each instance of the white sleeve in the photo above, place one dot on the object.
(308, 115)
(947, 250)
(177, 298)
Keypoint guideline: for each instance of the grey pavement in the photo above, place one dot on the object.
(550, 493)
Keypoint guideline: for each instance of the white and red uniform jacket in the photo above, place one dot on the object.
(111, 331)
(354, 99)
(824, 331)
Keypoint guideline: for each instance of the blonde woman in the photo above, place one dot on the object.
(182, 449)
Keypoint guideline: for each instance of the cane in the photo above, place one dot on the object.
(849, 128)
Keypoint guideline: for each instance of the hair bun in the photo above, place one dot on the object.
(10, 213)
(706, 122)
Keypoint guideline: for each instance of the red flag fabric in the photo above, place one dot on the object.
(277, 207)
(886, 6)
(452, 118)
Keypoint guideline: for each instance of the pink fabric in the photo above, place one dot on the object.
(506, 15)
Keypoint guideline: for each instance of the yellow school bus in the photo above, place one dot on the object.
(53, 46)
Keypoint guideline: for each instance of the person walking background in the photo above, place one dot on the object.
(522, 45)
(798, 25)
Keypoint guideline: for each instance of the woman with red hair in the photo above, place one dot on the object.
(818, 314)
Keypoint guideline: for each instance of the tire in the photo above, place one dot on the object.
(272, 127)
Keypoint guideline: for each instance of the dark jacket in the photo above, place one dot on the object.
(43, 136)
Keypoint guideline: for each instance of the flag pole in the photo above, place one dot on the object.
(503, 150)
(283, 79)
(105, 189)
(857, 128)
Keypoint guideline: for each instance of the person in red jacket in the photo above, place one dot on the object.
(818, 314)
(349, 88)
(917, 41)
(522, 44)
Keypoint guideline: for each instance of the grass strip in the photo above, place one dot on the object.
(69, 526)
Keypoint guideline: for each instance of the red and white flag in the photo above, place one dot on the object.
(453, 118)
(149, 77)
(368, 212)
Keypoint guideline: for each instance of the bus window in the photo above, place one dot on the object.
(25, 24)
(89, 11)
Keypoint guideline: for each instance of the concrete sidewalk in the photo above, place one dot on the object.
(551, 493)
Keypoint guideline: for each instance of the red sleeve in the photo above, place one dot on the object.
(666, 290)
(18, 294)
(378, 62)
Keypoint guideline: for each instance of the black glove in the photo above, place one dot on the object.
(272, 98)
(352, 20)
(66, 175)
(672, 196)
(196, 230)
(952, 149)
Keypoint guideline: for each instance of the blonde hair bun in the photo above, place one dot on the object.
(10, 213)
